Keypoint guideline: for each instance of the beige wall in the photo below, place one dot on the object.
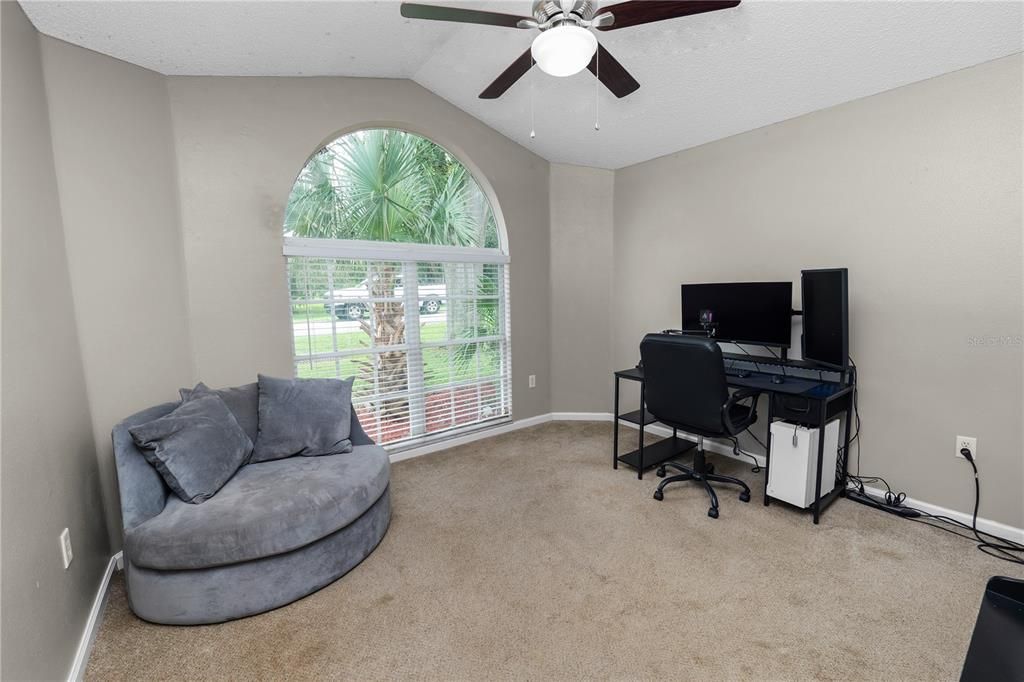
(918, 192)
(581, 288)
(114, 157)
(240, 144)
(166, 267)
(96, 316)
(50, 478)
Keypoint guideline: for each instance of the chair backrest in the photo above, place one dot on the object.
(684, 382)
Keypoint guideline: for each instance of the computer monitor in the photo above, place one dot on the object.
(826, 308)
(758, 313)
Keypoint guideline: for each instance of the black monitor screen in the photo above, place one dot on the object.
(742, 312)
(826, 316)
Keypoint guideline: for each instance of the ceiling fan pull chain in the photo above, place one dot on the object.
(533, 77)
(597, 90)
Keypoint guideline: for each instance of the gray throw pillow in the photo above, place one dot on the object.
(196, 448)
(243, 401)
(307, 417)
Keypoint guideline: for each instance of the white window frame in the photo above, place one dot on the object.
(411, 253)
(354, 249)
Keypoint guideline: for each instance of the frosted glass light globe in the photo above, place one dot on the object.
(564, 50)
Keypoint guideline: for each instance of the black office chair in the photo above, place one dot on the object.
(685, 388)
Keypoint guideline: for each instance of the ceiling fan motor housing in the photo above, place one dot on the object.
(563, 11)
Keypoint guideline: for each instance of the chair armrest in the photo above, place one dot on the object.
(743, 394)
(735, 398)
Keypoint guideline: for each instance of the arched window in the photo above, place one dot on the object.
(398, 278)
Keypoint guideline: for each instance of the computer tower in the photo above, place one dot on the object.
(794, 459)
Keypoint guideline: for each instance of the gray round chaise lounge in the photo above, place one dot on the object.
(274, 533)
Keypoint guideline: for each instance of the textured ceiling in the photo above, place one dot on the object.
(702, 78)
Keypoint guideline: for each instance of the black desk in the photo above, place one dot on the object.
(817, 402)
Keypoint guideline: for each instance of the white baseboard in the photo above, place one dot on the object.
(581, 416)
(92, 625)
(997, 528)
(469, 437)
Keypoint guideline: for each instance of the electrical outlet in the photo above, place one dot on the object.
(65, 547)
(968, 442)
(533, 381)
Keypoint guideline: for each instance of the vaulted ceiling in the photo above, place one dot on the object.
(702, 78)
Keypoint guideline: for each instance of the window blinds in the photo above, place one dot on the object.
(426, 340)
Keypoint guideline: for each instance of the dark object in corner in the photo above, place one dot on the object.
(778, 379)
(996, 652)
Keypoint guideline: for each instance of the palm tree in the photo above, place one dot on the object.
(391, 186)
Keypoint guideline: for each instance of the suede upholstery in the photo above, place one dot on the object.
(196, 448)
(308, 417)
(266, 509)
(143, 492)
(243, 401)
(234, 590)
(215, 595)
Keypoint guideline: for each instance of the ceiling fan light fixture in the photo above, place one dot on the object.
(564, 50)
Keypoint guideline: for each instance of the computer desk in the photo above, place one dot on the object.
(808, 401)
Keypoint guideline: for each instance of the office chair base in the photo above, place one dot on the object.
(679, 467)
(701, 472)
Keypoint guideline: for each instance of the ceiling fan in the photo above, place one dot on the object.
(566, 45)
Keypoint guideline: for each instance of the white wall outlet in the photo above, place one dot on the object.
(65, 547)
(968, 442)
(533, 381)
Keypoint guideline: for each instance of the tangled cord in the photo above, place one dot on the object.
(993, 545)
(1007, 550)
(739, 452)
(893, 501)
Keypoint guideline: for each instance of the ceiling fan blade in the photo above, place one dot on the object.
(509, 76)
(613, 74)
(412, 10)
(647, 11)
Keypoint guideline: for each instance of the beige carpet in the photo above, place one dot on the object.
(526, 556)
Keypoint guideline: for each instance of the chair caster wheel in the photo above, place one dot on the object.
(658, 495)
(744, 496)
(660, 472)
(713, 513)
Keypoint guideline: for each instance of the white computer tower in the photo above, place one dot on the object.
(794, 458)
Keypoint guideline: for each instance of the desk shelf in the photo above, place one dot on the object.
(634, 417)
(656, 453)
